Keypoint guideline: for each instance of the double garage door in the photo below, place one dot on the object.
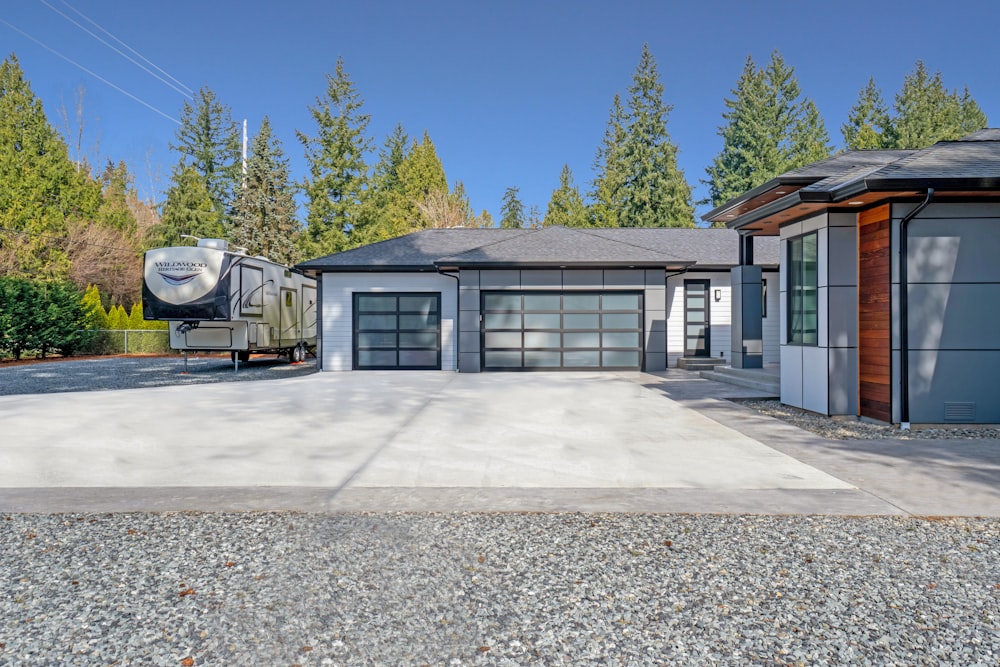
(561, 330)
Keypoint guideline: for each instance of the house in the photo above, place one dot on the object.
(553, 298)
(863, 333)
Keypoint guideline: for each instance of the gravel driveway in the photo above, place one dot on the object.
(103, 373)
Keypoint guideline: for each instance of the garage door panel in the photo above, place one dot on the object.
(561, 330)
(397, 330)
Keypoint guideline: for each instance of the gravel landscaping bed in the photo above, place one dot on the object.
(850, 429)
(107, 373)
(497, 589)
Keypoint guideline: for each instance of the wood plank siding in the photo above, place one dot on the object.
(874, 315)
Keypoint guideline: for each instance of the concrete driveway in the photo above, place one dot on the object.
(390, 440)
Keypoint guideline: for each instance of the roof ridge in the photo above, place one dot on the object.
(525, 230)
(583, 230)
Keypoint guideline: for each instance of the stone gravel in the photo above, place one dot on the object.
(132, 372)
(853, 429)
(497, 589)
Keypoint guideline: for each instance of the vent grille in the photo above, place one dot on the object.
(960, 412)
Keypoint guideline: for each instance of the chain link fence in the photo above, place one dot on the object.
(125, 341)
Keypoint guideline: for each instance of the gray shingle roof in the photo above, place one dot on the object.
(550, 246)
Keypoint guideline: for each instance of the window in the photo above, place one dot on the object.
(803, 288)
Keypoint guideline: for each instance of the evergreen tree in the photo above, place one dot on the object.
(338, 175)
(566, 206)
(868, 125)
(927, 113)
(511, 210)
(263, 220)
(655, 191)
(188, 210)
(40, 189)
(609, 169)
(394, 152)
(209, 142)
(771, 129)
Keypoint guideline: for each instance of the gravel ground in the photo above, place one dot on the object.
(104, 373)
(497, 589)
(849, 429)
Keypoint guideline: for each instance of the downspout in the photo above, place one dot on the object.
(458, 311)
(904, 328)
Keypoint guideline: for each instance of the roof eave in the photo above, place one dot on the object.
(888, 184)
(769, 209)
(780, 181)
(563, 264)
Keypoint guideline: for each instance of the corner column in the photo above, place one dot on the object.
(747, 318)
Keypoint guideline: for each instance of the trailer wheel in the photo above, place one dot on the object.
(296, 356)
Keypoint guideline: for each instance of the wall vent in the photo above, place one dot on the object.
(960, 412)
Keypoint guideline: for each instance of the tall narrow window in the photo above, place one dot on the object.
(803, 290)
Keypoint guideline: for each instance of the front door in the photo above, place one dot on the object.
(697, 325)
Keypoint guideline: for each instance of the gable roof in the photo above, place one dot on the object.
(434, 249)
(970, 164)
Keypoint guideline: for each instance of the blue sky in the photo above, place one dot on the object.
(508, 91)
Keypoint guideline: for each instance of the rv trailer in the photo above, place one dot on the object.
(218, 299)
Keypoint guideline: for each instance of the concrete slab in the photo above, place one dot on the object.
(366, 432)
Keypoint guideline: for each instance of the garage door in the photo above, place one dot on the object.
(562, 330)
(397, 331)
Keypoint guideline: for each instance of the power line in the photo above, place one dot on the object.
(96, 76)
(179, 87)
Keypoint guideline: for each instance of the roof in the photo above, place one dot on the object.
(968, 165)
(433, 249)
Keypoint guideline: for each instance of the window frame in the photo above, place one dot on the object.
(803, 291)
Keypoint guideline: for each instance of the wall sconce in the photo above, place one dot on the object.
(718, 295)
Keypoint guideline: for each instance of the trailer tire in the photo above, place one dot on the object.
(297, 356)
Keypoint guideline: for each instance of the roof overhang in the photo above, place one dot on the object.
(562, 264)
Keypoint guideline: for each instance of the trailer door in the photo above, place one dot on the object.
(289, 325)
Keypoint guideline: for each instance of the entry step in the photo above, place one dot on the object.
(700, 363)
(765, 380)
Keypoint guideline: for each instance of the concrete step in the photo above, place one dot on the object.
(765, 380)
(700, 363)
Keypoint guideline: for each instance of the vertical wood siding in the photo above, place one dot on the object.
(874, 315)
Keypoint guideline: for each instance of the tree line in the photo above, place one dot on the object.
(66, 220)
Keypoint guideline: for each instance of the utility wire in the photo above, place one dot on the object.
(96, 76)
(174, 83)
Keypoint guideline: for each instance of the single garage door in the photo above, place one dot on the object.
(561, 330)
(397, 331)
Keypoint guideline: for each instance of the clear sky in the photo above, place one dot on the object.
(508, 91)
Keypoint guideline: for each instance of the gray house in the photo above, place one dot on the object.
(890, 280)
(553, 298)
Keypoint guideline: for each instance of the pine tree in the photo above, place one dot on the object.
(655, 191)
(511, 210)
(609, 170)
(927, 113)
(566, 206)
(263, 219)
(868, 125)
(338, 174)
(770, 129)
(209, 142)
(188, 210)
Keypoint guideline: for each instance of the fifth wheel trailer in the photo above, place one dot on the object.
(218, 299)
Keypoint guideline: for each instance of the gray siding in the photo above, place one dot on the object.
(954, 313)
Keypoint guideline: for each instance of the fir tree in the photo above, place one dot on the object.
(209, 142)
(609, 170)
(395, 150)
(927, 113)
(511, 210)
(868, 125)
(338, 174)
(188, 210)
(655, 193)
(566, 206)
(770, 129)
(264, 217)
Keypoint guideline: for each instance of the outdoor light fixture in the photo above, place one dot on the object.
(718, 295)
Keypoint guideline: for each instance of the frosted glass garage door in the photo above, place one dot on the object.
(561, 330)
(400, 331)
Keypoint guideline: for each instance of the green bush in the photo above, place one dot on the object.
(40, 317)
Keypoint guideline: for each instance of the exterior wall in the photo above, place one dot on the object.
(337, 335)
(772, 318)
(823, 377)
(651, 282)
(720, 313)
(954, 290)
(874, 314)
